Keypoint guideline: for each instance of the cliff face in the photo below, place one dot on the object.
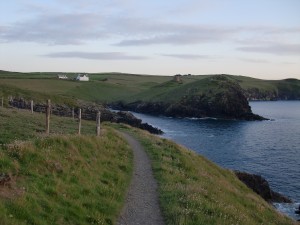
(288, 89)
(222, 99)
(255, 94)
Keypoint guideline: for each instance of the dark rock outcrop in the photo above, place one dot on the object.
(261, 186)
(89, 112)
(224, 100)
(129, 118)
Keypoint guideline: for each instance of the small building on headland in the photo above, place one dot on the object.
(62, 76)
(82, 77)
(177, 78)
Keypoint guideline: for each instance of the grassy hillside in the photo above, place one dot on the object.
(171, 90)
(21, 125)
(266, 89)
(101, 88)
(193, 190)
(63, 178)
(111, 87)
(68, 179)
(196, 85)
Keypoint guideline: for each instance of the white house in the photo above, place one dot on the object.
(62, 76)
(82, 77)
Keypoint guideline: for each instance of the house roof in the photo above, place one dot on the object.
(83, 75)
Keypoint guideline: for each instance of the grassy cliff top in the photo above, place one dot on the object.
(68, 179)
(110, 87)
(194, 190)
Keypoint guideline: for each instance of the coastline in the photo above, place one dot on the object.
(178, 130)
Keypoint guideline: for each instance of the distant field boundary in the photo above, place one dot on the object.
(47, 109)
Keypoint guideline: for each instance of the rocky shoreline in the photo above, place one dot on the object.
(261, 186)
(181, 110)
(224, 99)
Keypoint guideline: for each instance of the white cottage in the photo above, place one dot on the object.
(82, 77)
(62, 76)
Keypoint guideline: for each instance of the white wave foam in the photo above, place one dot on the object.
(288, 209)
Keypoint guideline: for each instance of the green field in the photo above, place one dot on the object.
(101, 88)
(111, 87)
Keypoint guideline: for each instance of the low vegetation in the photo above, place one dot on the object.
(62, 178)
(111, 87)
(69, 179)
(21, 125)
(193, 190)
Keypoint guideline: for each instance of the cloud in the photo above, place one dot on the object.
(192, 7)
(172, 39)
(254, 60)
(276, 49)
(95, 55)
(3, 29)
(78, 28)
(177, 34)
(80, 22)
(187, 56)
(58, 29)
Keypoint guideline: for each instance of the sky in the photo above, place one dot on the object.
(257, 38)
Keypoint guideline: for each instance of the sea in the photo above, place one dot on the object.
(268, 148)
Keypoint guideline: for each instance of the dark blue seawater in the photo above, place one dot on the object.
(268, 148)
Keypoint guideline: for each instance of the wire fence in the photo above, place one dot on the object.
(60, 111)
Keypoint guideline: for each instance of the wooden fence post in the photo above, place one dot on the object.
(79, 121)
(48, 107)
(73, 113)
(31, 106)
(10, 100)
(98, 123)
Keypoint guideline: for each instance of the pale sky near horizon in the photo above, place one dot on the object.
(257, 38)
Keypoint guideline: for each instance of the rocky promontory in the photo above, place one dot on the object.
(223, 98)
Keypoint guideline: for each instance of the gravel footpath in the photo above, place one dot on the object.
(141, 206)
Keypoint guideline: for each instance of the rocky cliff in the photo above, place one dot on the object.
(288, 89)
(261, 186)
(223, 99)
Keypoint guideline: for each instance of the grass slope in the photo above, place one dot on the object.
(62, 178)
(193, 190)
(68, 179)
(110, 87)
(171, 91)
(21, 125)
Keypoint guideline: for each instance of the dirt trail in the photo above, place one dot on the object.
(141, 206)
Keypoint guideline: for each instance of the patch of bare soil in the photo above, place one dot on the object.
(8, 187)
